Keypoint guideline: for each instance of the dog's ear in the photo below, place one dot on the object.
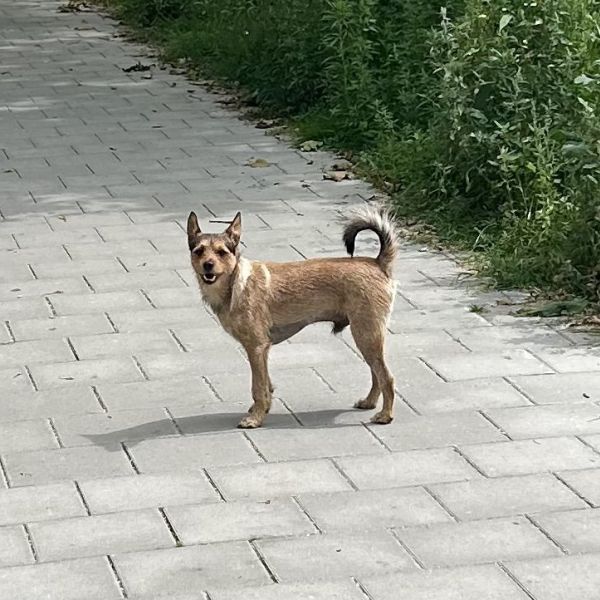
(234, 231)
(193, 229)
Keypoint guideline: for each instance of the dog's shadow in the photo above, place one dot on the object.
(215, 423)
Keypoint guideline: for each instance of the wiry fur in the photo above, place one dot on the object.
(265, 303)
(380, 222)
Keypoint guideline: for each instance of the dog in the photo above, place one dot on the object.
(264, 303)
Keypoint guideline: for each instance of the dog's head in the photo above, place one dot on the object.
(214, 255)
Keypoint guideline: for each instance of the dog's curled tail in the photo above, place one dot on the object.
(380, 221)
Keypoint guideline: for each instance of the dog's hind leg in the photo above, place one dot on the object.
(369, 337)
(261, 386)
(371, 400)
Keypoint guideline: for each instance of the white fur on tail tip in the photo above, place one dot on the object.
(379, 216)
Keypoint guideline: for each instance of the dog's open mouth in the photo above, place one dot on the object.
(209, 278)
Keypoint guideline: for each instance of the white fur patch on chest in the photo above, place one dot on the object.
(244, 271)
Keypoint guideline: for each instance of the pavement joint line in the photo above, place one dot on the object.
(302, 509)
(82, 499)
(212, 388)
(72, 348)
(129, 457)
(4, 474)
(55, 432)
(469, 461)
(117, 577)
(574, 490)
(329, 386)
(169, 525)
(516, 387)
(31, 270)
(541, 360)
(263, 561)
(431, 368)
(440, 502)
(138, 364)
(50, 306)
(174, 336)
(30, 377)
(213, 485)
(30, 543)
(370, 431)
(494, 424)
(10, 331)
(406, 548)
(290, 410)
(173, 420)
(122, 264)
(88, 284)
(362, 589)
(532, 520)
(98, 397)
(585, 443)
(343, 474)
(514, 579)
(254, 446)
(115, 329)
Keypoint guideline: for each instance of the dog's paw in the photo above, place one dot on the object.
(250, 422)
(382, 418)
(365, 404)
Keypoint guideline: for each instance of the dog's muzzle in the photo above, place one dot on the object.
(209, 278)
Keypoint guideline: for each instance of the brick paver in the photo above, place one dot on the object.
(121, 472)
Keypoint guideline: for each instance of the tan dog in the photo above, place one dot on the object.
(264, 303)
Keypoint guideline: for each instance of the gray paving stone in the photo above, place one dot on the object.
(505, 496)
(134, 281)
(25, 308)
(301, 443)
(192, 453)
(414, 433)
(561, 387)
(116, 494)
(552, 420)
(40, 503)
(480, 364)
(531, 456)
(25, 404)
(399, 469)
(477, 542)
(15, 380)
(76, 268)
(566, 578)
(79, 304)
(340, 590)
(566, 360)
(88, 578)
(485, 582)
(59, 327)
(238, 521)
(85, 372)
(373, 509)
(585, 482)
(224, 359)
(32, 352)
(38, 287)
(192, 389)
(110, 429)
(14, 547)
(267, 481)
(114, 344)
(327, 557)
(577, 531)
(178, 570)
(19, 436)
(100, 534)
(161, 317)
(46, 466)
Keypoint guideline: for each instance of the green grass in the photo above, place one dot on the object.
(481, 117)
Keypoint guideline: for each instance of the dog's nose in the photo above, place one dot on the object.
(208, 265)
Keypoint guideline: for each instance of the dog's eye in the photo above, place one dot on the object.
(199, 251)
(222, 252)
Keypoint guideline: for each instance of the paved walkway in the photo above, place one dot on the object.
(122, 473)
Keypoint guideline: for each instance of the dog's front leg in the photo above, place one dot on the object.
(261, 386)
